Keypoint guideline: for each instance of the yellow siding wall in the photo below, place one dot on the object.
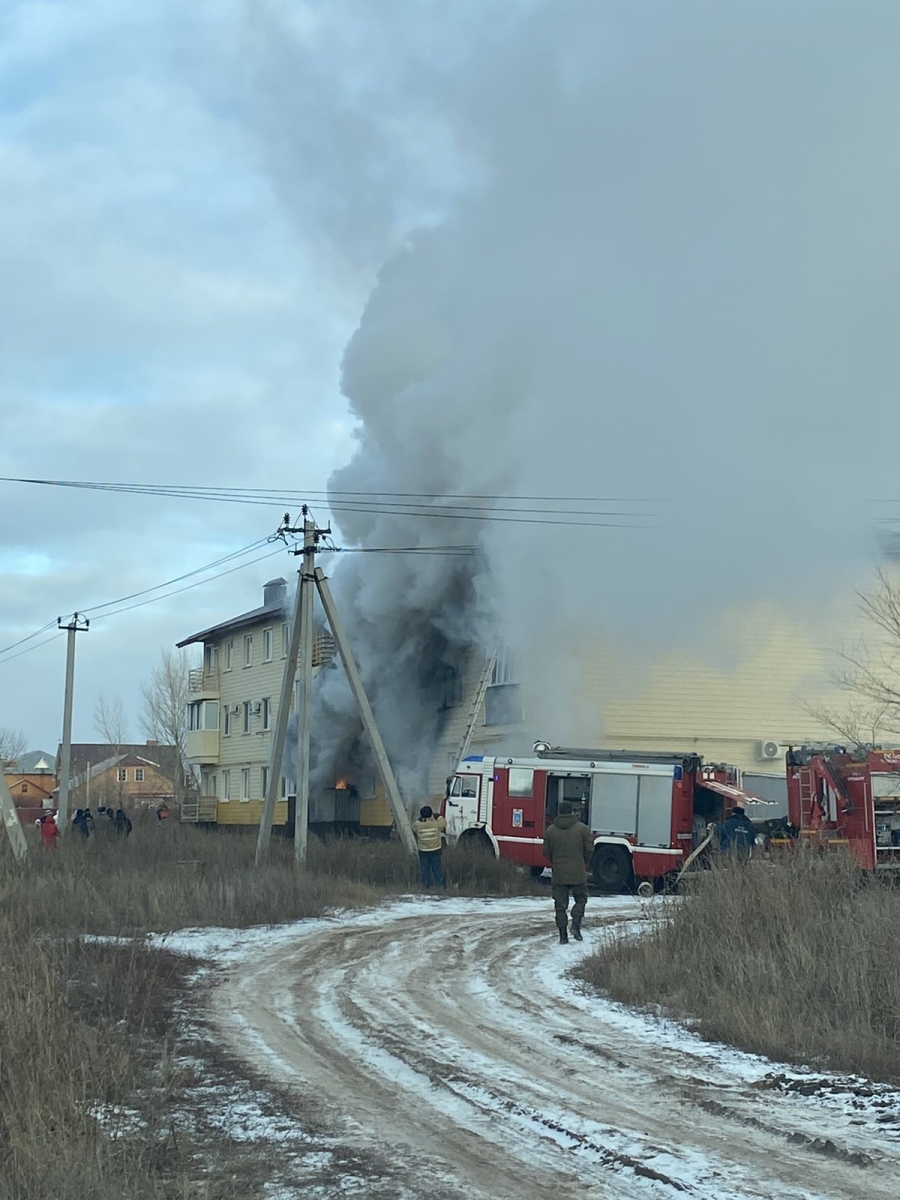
(237, 812)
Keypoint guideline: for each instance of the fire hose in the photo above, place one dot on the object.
(710, 830)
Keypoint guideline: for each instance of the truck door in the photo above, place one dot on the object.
(461, 808)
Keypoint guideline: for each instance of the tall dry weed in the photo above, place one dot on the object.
(796, 960)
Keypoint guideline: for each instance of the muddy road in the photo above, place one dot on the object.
(446, 1034)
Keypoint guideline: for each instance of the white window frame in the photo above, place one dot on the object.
(245, 785)
(248, 650)
(210, 659)
(138, 774)
(229, 655)
(285, 639)
(226, 724)
(264, 780)
(268, 641)
(266, 712)
(226, 786)
(246, 717)
(121, 775)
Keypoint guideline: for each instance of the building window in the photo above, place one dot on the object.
(229, 655)
(226, 785)
(203, 714)
(245, 783)
(266, 713)
(285, 639)
(248, 649)
(24, 787)
(451, 687)
(265, 782)
(246, 716)
(288, 788)
(267, 645)
(122, 775)
(227, 730)
(210, 660)
(503, 704)
(503, 698)
(138, 774)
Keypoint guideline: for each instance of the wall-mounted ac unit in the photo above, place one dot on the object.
(769, 749)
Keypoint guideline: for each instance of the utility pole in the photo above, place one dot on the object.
(385, 770)
(307, 590)
(300, 643)
(311, 579)
(10, 818)
(77, 624)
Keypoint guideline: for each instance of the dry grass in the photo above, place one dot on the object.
(796, 960)
(86, 1028)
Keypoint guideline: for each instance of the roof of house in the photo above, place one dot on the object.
(273, 609)
(94, 754)
(32, 763)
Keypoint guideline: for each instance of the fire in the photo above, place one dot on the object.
(341, 785)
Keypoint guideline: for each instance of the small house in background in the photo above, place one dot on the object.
(31, 778)
(132, 776)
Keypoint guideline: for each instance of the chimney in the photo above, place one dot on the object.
(152, 742)
(275, 593)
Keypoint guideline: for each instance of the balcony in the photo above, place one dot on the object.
(201, 810)
(201, 746)
(203, 684)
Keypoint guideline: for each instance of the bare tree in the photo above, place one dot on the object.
(164, 715)
(110, 721)
(870, 674)
(13, 744)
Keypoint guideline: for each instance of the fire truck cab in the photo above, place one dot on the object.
(646, 811)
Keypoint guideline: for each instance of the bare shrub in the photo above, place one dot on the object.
(795, 960)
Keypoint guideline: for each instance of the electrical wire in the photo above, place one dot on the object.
(28, 649)
(188, 587)
(178, 578)
(189, 490)
(22, 641)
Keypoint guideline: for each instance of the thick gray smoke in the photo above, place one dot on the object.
(674, 283)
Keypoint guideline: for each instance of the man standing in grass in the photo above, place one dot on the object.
(568, 845)
(429, 831)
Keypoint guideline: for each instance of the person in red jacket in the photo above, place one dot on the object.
(49, 831)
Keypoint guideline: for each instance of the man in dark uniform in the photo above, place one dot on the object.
(737, 835)
(568, 845)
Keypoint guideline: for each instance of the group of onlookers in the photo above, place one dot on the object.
(83, 822)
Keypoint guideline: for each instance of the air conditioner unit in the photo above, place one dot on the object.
(256, 707)
(769, 749)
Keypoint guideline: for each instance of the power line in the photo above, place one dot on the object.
(212, 492)
(151, 599)
(22, 641)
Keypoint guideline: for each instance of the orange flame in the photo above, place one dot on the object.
(341, 785)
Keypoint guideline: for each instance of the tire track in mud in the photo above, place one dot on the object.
(449, 1033)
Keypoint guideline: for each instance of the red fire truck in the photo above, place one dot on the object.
(839, 797)
(646, 811)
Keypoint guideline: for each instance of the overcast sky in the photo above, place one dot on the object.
(194, 200)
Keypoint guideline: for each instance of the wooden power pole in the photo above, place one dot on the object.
(10, 819)
(312, 579)
(77, 624)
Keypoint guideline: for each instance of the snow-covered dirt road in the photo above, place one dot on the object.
(446, 1034)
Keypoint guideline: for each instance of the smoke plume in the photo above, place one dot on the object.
(671, 281)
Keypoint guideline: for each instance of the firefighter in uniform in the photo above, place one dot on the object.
(568, 845)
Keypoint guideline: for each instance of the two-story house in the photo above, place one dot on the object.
(232, 709)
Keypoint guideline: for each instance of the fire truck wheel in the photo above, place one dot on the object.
(477, 839)
(611, 868)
